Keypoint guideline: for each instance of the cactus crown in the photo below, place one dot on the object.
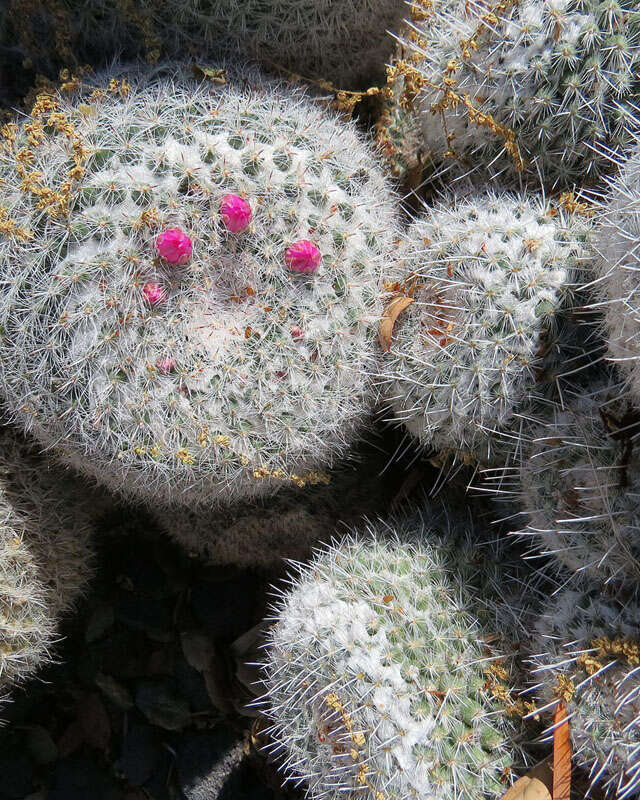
(587, 655)
(543, 82)
(487, 276)
(189, 370)
(378, 679)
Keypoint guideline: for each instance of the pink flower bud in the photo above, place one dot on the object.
(235, 212)
(174, 246)
(303, 256)
(154, 293)
(165, 365)
(297, 334)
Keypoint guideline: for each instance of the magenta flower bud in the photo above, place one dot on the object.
(154, 293)
(165, 365)
(174, 246)
(235, 212)
(297, 334)
(303, 256)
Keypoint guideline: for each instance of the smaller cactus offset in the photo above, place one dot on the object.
(192, 278)
(45, 556)
(618, 244)
(486, 278)
(579, 483)
(543, 87)
(587, 655)
(378, 676)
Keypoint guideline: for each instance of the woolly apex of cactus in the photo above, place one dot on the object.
(485, 278)
(579, 483)
(546, 87)
(45, 556)
(379, 678)
(587, 654)
(618, 244)
(344, 41)
(269, 380)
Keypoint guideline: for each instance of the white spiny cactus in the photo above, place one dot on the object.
(378, 677)
(579, 486)
(618, 244)
(190, 284)
(587, 655)
(345, 41)
(45, 556)
(548, 86)
(487, 276)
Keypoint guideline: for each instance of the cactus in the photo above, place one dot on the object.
(229, 375)
(377, 676)
(587, 655)
(618, 244)
(487, 277)
(328, 39)
(579, 481)
(544, 87)
(45, 556)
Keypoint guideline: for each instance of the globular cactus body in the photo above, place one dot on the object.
(378, 679)
(344, 41)
(587, 655)
(45, 556)
(618, 244)
(537, 86)
(202, 367)
(487, 277)
(579, 482)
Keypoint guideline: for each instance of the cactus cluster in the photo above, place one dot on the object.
(45, 556)
(543, 87)
(379, 678)
(208, 295)
(190, 284)
(486, 278)
(587, 655)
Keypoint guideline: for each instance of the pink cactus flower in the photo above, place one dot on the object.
(235, 212)
(297, 334)
(174, 246)
(165, 365)
(303, 256)
(154, 293)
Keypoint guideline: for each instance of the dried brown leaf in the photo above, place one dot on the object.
(389, 317)
(535, 785)
(561, 754)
